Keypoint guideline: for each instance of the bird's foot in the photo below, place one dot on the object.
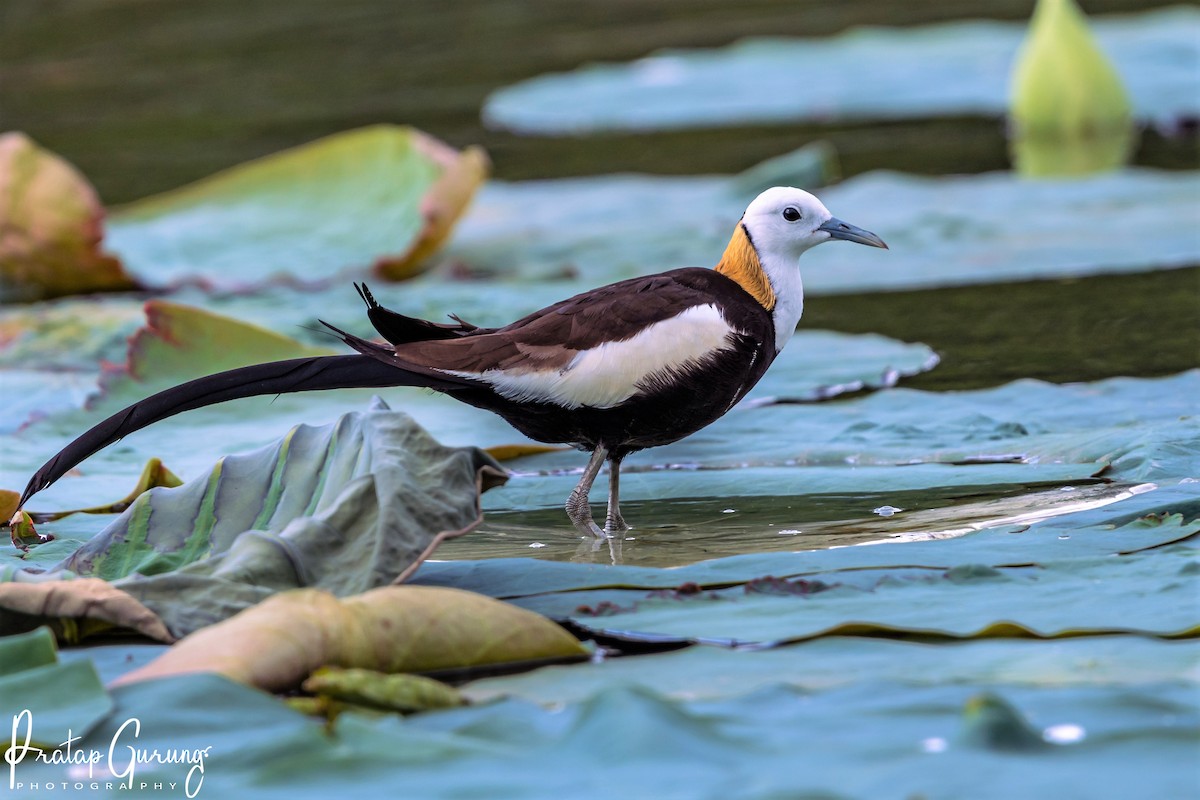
(581, 516)
(615, 524)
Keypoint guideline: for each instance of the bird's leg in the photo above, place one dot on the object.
(577, 503)
(613, 522)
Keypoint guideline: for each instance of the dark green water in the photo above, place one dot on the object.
(146, 96)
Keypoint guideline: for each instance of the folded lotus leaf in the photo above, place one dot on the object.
(345, 507)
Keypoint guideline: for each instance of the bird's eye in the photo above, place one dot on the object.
(791, 214)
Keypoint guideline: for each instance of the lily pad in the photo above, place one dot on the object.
(1053, 603)
(382, 196)
(49, 701)
(947, 69)
(943, 231)
(668, 746)
(701, 673)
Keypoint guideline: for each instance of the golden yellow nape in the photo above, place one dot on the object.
(740, 263)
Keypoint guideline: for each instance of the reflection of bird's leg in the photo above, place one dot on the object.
(577, 504)
(613, 522)
(615, 545)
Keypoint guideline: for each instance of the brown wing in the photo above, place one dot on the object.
(551, 337)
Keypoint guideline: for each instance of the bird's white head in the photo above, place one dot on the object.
(778, 226)
(783, 222)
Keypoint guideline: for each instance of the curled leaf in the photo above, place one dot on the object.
(445, 201)
(278, 643)
(51, 225)
(382, 195)
(364, 687)
(24, 535)
(8, 503)
(75, 608)
(180, 342)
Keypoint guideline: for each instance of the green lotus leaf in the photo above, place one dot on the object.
(947, 69)
(382, 196)
(943, 231)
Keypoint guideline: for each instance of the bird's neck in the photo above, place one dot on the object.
(740, 263)
(776, 287)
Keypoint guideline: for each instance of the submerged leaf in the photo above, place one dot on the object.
(279, 642)
(1069, 109)
(384, 195)
(992, 722)
(51, 224)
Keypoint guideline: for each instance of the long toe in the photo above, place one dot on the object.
(615, 524)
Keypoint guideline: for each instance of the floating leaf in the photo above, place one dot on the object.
(1069, 112)
(892, 603)
(948, 69)
(710, 673)
(180, 342)
(279, 642)
(154, 474)
(943, 231)
(382, 195)
(51, 224)
(47, 702)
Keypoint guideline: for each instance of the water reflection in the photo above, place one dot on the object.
(682, 531)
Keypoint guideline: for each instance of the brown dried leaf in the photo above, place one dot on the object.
(51, 224)
(278, 643)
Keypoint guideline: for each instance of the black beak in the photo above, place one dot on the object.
(850, 233)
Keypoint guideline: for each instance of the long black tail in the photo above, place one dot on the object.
(276, 377)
